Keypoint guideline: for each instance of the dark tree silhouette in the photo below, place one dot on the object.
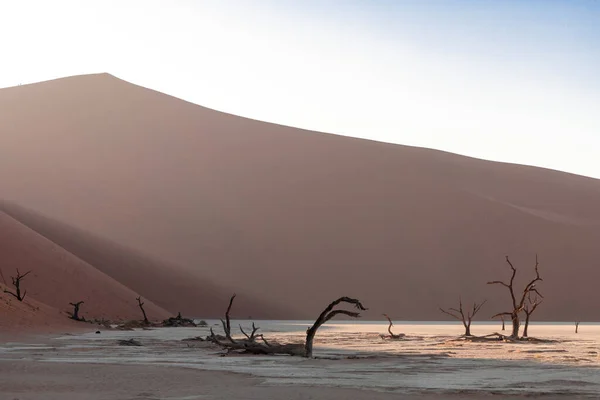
(141, 305)
(252, 335)
(227, 322)
(325, 316)
(576, 327)
(249, 345)
(518, 304)
(16, 281)
(75, 314)
(460, 315)
(392, 335)
(530, 306)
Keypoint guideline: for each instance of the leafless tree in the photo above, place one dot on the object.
(326, 315)
(16, 281)
(249, 345)
(532, 303)
(141, 305)
(460, 315)
(577, 327)
(75, 314)
(503, 324)
(518, 304)
(392, 335)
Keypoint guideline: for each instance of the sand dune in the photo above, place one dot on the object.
(58, 278)
(294, 217)
(168, 285)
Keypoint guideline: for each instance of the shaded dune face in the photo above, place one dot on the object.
(292, 218)
(168, 285)
(58, 277)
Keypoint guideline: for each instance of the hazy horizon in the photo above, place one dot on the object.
(511, 81)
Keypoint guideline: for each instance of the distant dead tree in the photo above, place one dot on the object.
(503, 325)
(391, 334)
(460, 315)
(518, 304)
(16, 281)
(529, 308)
(577, 327)
(75, 315)
(249, 345)
(141, 305)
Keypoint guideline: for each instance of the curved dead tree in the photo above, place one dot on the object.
(326, 315)
(392, 335)
(75, 315)
(460, 315)
(532, 304)
(141, 305)
(16, 281)
(576, 327)
(250, 345)
(518, 303)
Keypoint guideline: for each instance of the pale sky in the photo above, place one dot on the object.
(505, 80)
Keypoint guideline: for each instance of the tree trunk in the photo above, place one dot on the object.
(526, 325)
(515, 326)
(468, 330)
(325, 316)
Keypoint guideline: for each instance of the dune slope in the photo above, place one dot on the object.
(292, 217)
(58, 278)
(167, 285)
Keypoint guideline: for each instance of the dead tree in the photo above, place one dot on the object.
(16, 281)
(518, 304)
(392, 335)
(325, 316)
(532, 304)
(503, 325)
(75, 315)
(227, 323)
(250, 345)
(252, 335)
(576, 327)
(460, 315)
(141, 305)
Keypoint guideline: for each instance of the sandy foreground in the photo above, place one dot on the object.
(93, 366)
(28, 380)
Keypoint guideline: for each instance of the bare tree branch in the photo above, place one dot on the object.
(460, 315)
(141, 306)
(16, 281)
(519, 306)
(325, 316)
(392, 334)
